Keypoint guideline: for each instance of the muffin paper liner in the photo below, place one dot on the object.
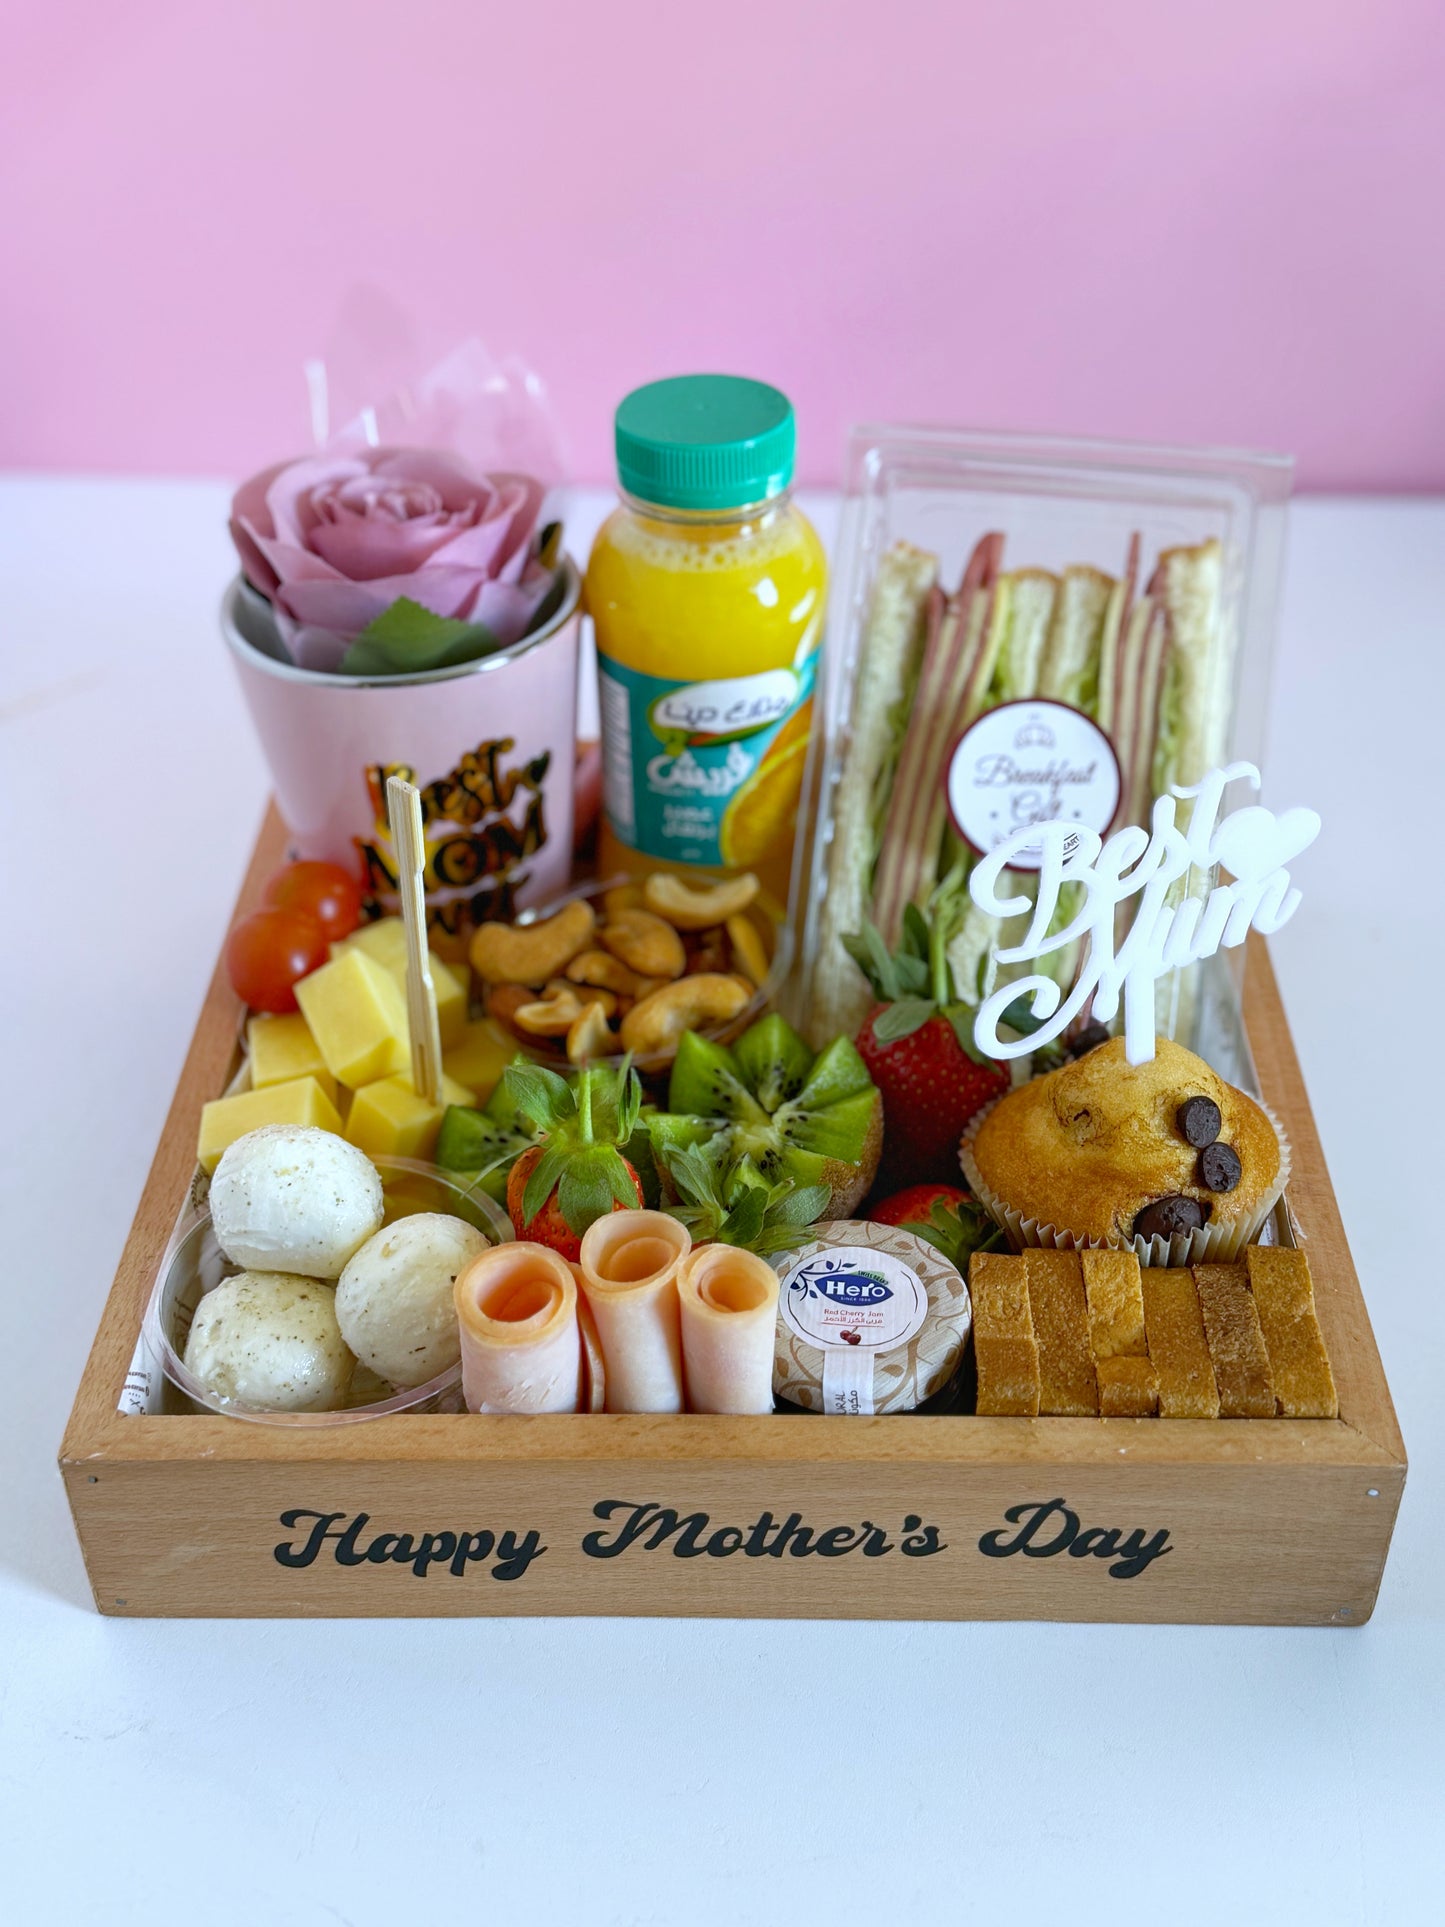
(1211, 1244)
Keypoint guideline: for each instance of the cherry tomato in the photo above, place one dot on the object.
(321, 890)
(268, 951)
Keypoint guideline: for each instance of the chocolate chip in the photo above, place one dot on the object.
(1219, 1166)
(1089, 1038)
(1166, 1216)
(1199, 1121)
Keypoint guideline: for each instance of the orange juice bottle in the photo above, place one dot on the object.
(706, 589)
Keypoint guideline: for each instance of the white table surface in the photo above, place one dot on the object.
(671, 1771)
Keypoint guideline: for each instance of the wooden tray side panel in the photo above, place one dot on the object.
(1354, 1358)
(203, 1076)
(1246, 1544)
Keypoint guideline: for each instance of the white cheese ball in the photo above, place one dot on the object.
(290, 1197)
(270, 1339)
(394, 1301)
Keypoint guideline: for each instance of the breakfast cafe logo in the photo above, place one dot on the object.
(1025, 763)
(481, 821)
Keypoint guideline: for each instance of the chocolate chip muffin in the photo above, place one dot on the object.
(1164, 1157)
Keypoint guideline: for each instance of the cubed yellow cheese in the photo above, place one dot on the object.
(282, 1048)
(388, 1119)
(301, 1101)
(385, 943)
(357, 1015)
(478, 1060)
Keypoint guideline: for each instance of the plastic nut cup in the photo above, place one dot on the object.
(630, 1262)
(521, 1347)
(729, 1304)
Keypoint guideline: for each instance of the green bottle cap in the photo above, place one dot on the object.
(705, 442)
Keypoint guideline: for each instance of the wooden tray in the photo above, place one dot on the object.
(1283, 1522)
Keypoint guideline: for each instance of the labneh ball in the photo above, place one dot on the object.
(394, 1301)
(270, 1340)
(290, 1197)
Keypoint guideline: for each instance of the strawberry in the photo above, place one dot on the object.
(576, 1174)
(915, 1202)
(919, 1050)
(944, 1216)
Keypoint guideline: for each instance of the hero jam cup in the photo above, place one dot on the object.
(706, 588)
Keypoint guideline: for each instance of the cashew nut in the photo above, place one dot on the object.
(645, 944)
(590, 1036)
(654, 1026)
(530, 953)
(748, 953)
(606, 972)
(550, 1016)
(691, 909)
(622, 896)
(505, 1000)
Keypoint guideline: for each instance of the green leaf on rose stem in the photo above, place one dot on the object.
(406, 639)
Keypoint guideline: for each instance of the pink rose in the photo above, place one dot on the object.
(334, 539)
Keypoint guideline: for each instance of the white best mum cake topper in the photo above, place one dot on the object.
(1252, 844)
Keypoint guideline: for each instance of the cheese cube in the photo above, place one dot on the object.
(478, 1060)
(385, 943)
(281, 1048)
(358, 1017)
(388, 1119)
(301, 1101)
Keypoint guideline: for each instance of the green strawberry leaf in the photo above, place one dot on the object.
(957, 1231)
(541, 1182)
(914, 977)
(744, 1221)
(915, 932)
(900, 1020)
(619, 1178)
(584, 1191)
(804, 1205)
(407, 639)
(1020, 1018)
(870, 953)
(540, 1095)
(962, 1020)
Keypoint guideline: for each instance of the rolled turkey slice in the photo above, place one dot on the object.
(729, 1304)
(630, 1262)
(521, 1346)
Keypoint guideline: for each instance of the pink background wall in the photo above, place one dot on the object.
(1220, 221)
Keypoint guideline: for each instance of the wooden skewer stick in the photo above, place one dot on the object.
(403, 808)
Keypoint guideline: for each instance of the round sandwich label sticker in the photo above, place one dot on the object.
(1033, 761)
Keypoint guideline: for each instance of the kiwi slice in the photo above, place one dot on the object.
(483, 1145)
(780, 1111)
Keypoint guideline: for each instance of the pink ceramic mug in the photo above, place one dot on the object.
(490, 744)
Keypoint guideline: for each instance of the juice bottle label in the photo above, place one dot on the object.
(704, 772)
